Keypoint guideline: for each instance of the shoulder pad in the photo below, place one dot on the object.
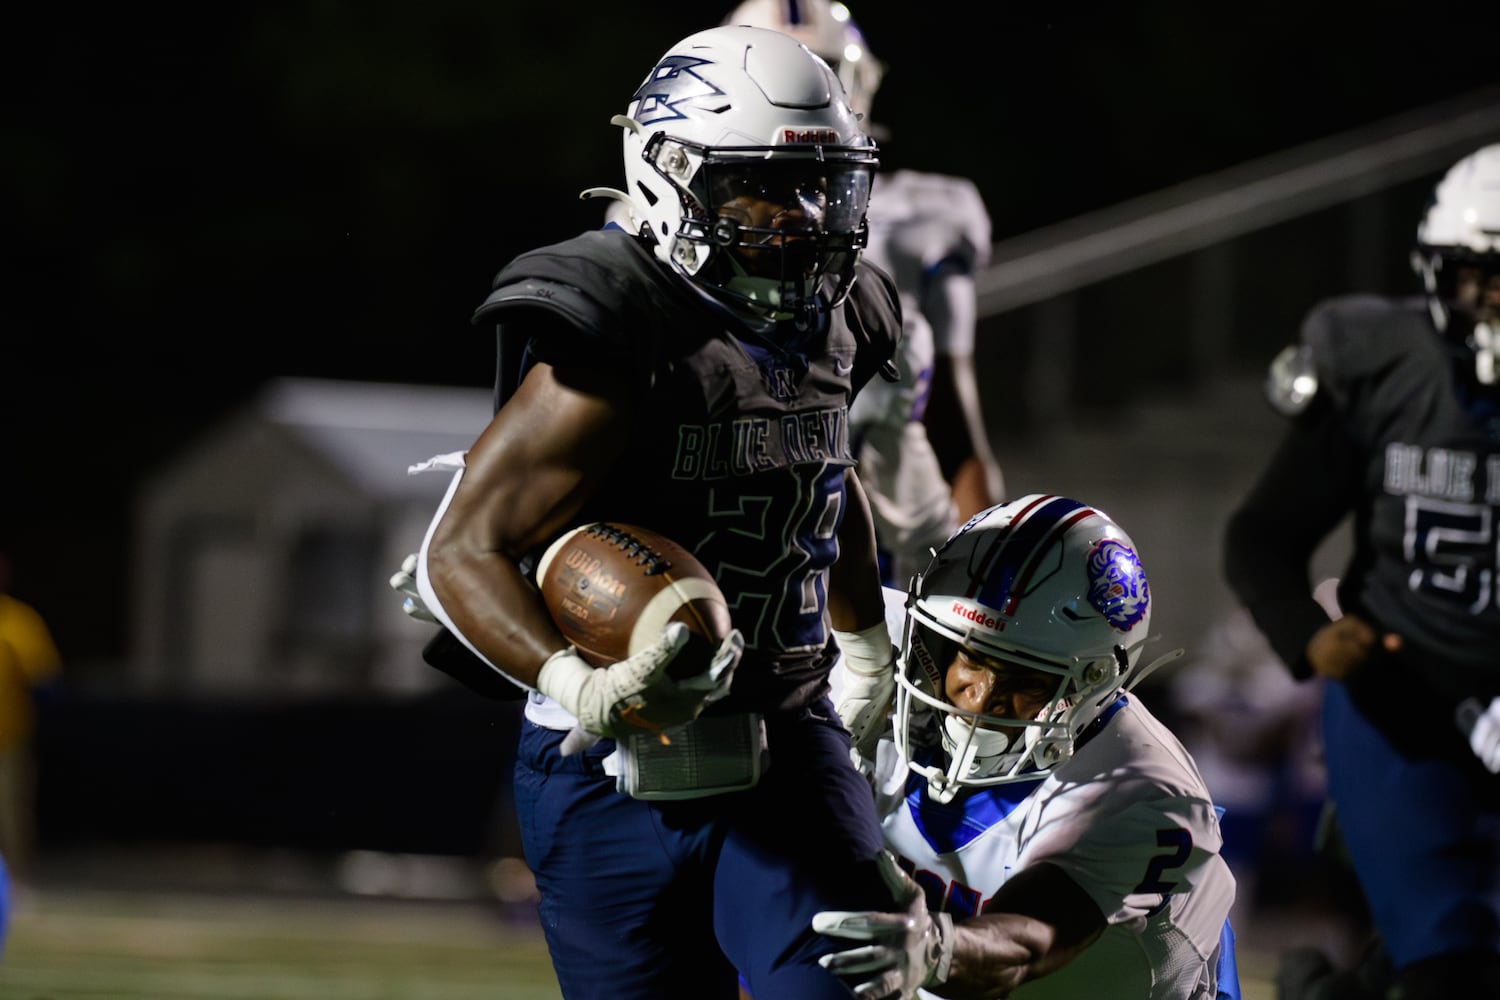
(873, 314)
(552, 296)
(600, 272)
(874, 296)
(1292, 381)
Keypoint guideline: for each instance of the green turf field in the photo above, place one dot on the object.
(74, 944)
(80, 945)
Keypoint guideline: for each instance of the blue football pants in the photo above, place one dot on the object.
(666, 900)
(1424, 837)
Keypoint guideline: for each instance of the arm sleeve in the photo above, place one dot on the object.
(1311, 483)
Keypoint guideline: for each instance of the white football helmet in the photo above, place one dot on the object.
(827, 28)
(1462, 228)
(745, 164)
(1041, 582)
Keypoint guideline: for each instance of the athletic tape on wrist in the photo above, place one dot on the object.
(867, 652)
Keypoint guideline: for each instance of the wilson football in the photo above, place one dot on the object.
(612, 588)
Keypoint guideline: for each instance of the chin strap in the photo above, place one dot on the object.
(1151, 667)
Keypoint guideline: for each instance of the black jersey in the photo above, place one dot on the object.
(1393, 437)
(740, 438)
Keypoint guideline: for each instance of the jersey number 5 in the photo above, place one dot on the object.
(1451, 548)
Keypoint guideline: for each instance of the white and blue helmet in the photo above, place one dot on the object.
(829, 30)
(1042, 582)
(740, 114)
(1461, 227)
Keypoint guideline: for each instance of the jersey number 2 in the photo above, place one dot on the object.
(1181, 841)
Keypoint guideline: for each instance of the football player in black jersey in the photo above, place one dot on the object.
(691, 371)
(1394, 410)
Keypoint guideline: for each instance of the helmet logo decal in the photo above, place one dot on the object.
(821, 136)
(1117, 584)
(673, 81)
(978, 615)
(929, 666)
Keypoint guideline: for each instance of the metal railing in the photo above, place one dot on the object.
(1209, 210)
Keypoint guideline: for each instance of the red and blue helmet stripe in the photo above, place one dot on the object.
(1003, 570)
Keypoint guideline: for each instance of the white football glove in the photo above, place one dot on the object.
(405, 582)
(869, 685)
(637, 694)
(1482, 726)
(908, 950)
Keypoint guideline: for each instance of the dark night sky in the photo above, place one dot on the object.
(203, 198)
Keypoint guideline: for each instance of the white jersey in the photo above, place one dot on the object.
(922, 226)
(925, 230)
(1127, 817)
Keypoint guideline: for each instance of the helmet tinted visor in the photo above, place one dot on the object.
(787, 197)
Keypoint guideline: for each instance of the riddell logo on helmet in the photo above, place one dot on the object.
(978, 617)
(824, 136)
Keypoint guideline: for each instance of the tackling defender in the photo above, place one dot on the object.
(1053, 838)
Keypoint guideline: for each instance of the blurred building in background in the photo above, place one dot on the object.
(275, 695)
(262, 551)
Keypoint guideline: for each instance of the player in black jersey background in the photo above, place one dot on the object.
(1394, 419)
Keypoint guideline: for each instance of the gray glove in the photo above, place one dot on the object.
(1481, 725)
(404, 582)
(907, 951)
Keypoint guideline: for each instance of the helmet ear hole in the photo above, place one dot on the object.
(1098, 672)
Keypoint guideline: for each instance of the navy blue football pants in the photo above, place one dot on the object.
(1424, 837)
(667, 900)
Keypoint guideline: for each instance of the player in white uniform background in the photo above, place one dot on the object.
(924, 468)
(1053, 837)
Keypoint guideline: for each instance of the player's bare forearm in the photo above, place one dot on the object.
(995, 953)
(855, 601)
(525, 481)
(1041, 921)
(972, 490)
(955, 422)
